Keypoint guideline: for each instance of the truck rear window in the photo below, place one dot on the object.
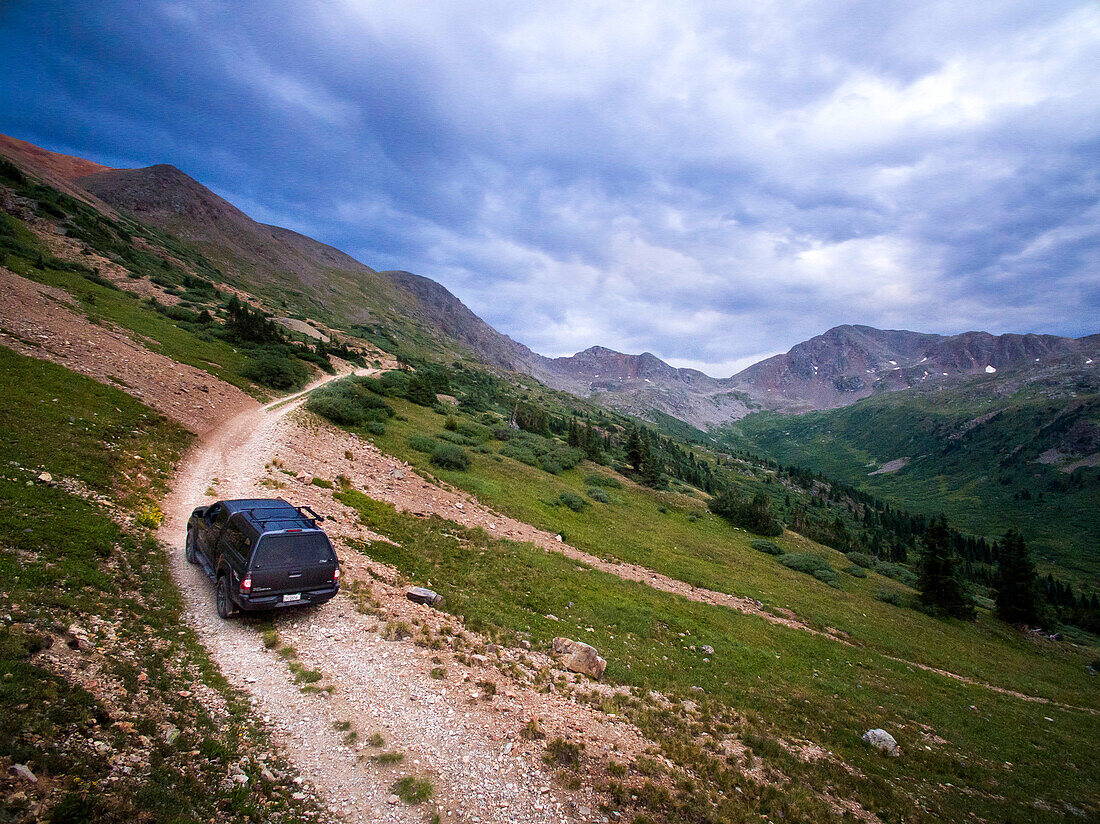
(292, 549)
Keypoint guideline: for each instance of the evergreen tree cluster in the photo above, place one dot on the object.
(753, 515)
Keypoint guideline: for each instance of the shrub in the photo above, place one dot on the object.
(413, 790)
(474, 430)
(605, 481)
(856, 571)
(889, 596)
(376, 428)
(394, 383)
(451, 425)
(503, 433)
(811, 565)
(450, 456)
(276, 371)
(520, 453)
(761, 545)
(861, 559)
(321, 482)
(597, 494)
(573, 501)
(396, 631)
(547, 464)
(348, 402)
(421, 444)
(531, 730)
(754, 515)
(455, 437)
(898, 573)
(562, 753)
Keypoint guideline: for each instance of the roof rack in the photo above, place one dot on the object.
(305, 512)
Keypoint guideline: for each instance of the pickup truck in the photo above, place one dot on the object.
(262, 553)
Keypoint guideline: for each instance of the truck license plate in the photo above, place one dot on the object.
(297, 596)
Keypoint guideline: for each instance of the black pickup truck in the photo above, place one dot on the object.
(262, 554)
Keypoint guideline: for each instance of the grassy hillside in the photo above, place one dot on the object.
(975, 454)
(191, 323)
(766, 681)
(113, 730)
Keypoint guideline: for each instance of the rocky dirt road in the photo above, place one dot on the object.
(470, 748)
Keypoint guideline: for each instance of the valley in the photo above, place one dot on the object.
(143, 377)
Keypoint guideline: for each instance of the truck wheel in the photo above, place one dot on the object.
(224, 601)
(189, 548)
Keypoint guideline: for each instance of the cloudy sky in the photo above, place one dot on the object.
(711, 182)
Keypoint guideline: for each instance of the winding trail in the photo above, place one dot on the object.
(482, 770)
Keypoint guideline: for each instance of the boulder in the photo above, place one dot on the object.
(77, 638)
(420, 595)
(580, 657)
(24, 772)
(882, 741)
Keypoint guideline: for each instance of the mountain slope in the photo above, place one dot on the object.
(1016, 448)
(404, 311)
(831, 370)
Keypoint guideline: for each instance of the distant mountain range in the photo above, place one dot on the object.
(831, 370)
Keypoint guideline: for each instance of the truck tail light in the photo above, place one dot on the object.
(246, 585)
(336, 575)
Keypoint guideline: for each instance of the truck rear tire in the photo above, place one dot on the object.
(223, 599)
(189, 548)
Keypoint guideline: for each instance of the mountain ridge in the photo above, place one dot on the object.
(836, 368)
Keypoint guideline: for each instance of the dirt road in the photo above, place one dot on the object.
(471, 750)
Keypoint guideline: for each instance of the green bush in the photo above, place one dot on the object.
(761, 545)
(348, 402)
(597, 494)
(519, 452)
(376, 428)
(861, 559)
(605, 481)
(372, 385)
(856, 571)
(421, 443)
(898, 573)
(413, 790)
(450, 456)
(394, 383)
(754, 516)
(455, 437)
(811, 565)
(889, 596)
(573, 501)
(474, 430)
(276, 371)
(548, 464)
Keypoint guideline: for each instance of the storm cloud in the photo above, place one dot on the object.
(711, 182)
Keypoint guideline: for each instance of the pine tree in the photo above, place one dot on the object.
(636, 451)
(938, 579)
(1015, 581)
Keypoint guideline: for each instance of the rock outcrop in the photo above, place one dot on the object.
(580, 657)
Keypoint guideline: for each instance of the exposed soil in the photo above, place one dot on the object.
(45, 322)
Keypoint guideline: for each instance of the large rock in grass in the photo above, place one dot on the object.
(580, 657)
(882, 741)
(420, 595)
